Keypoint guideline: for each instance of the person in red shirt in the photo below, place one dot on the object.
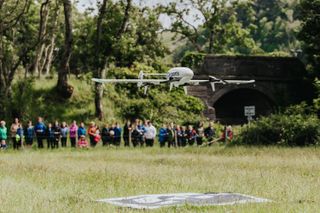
(227, 134)
(92, 134)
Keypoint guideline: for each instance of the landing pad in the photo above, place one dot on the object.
(154, 201)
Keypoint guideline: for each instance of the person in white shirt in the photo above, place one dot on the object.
(150, 134)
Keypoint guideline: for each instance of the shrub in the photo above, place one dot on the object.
(281, 129)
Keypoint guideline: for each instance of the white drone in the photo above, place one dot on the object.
(175, 77)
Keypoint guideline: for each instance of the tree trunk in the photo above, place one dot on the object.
(211, 40)
(101, 63)
(102, 60)
(51, 46)
(63, 87)
(44, 14)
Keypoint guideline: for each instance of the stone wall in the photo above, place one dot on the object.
(279, 82)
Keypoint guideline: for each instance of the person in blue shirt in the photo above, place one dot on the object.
(163, 135)
(50, 136)
(141, 128)
(117, 134)
(40, 130)
(29, 134)
(81, 130)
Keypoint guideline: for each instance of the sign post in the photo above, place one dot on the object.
(249, 112)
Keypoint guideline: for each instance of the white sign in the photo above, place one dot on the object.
(154, 201)
(249, 111)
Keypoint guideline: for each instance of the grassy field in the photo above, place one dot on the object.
(68, 180)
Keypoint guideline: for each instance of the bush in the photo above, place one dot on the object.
(281, 129)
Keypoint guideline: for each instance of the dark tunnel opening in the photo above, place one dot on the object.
(229, 108)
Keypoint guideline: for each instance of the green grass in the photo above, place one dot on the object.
(68, 180)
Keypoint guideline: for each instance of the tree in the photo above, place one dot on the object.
(63, 87)
(309, 11)
(272, 23)
(214, 27)
(12, 51)
(47, 33)
(103, 57)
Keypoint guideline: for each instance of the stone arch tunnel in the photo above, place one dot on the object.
(279, 82)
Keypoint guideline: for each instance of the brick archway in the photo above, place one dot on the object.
(229, 105)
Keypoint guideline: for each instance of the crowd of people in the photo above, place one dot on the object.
(137, 133)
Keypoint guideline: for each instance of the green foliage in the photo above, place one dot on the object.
(316, 101)
(139, 43)
(219, 30)
(295, 127)
(309, 13)
(32, 98)
(273, 24)
(158, 104)
(192, 59)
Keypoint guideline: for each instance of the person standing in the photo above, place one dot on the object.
(64, 134)
(163, 135)
(117, 134)
(141, 129)
(227, 135)
(200, 134)
(82, 130)
(150, 134)
(29, 134)
(191, 135)
(50, 136)
(135, 136)
(209, 133)
(105, 135)
(179, 135)
(3, 135)
(171, 136)
(92, 133)
(13, 133)
(57, 134)
(40, 130)
(73, 134)
(19, 136)
(126, 133)
(184, 137)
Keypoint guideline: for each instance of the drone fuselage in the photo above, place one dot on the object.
(179, 75)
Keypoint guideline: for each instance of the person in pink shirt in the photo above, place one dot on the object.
(83, 143)
(73, 133)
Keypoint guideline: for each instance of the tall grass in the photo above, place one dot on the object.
(67, 180)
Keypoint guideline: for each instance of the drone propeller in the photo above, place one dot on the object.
(213, 79)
